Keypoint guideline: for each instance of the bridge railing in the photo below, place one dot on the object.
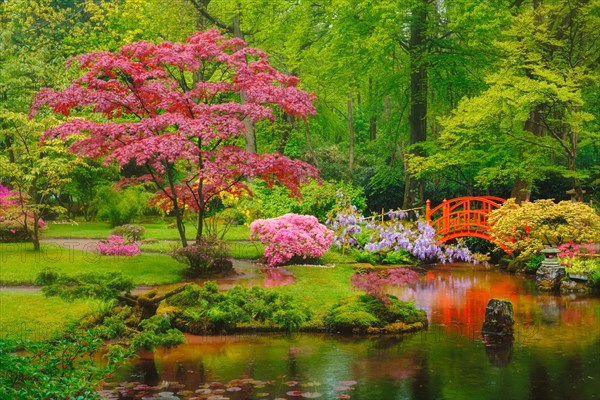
(463, 216)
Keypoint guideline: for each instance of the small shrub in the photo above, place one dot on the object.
(533, 263)
(528, 227)
(157, 332)
(201, 310)
(291, 235)
(363, 314)
(130, 232)
(60, 368)
(115, 246)
(205, 258)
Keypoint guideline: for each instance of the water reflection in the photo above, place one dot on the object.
(555, 355)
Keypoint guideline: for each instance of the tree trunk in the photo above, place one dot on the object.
(248, 125)
(35, 234)
(373, 128)
(521, 190)
(413, 191)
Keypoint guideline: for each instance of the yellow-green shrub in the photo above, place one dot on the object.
(528, 227)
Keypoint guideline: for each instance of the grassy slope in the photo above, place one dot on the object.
(35, 317)
(319, 288)
(19, 264)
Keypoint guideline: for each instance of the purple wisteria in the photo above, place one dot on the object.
(393, 232)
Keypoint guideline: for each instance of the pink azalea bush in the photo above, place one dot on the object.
(116, 246)
(291, 235)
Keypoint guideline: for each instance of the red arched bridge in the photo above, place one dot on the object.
(462, 217)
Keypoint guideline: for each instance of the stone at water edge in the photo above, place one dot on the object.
(499, 318)
(549, 277)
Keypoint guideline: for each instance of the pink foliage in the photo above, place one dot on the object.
(374, 283)
(116, 246)
(572, 249)
(291, 235)
(173, 120)
(13, 217)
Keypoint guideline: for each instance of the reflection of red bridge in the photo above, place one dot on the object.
(464, 216)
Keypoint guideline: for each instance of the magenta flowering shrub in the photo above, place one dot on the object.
(374, 283)
(13, 218)
(572, 249)
(116, 246)
(396, 233)
(291, 235)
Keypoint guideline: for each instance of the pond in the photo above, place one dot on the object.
(555, 354)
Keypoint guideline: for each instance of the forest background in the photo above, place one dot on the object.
(416, 99)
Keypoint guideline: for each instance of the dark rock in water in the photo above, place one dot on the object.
(570, 286)
(549, 277)
(499, 319)
(499, 351)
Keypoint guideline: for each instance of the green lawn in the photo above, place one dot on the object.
(246, 250)
(19, 264)
(159, 230)
(34, 317)
(319, 287)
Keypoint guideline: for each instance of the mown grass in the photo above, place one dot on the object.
(31, 316)
(163, 230)
(319, 288)
(19, 264)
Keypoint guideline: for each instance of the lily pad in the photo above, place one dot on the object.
(311, 395)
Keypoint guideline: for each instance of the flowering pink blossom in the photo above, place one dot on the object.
(572, 249)
(291, 235)
(115, 246)
(12, 216)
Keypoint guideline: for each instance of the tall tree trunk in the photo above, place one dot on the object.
(350, 136)
(521, 190)
(248, 125)
(413, 191)
(373, 119)
(373, 128)
(35, 234)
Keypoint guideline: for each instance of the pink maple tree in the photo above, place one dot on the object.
(16, 219)
(177, 111)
